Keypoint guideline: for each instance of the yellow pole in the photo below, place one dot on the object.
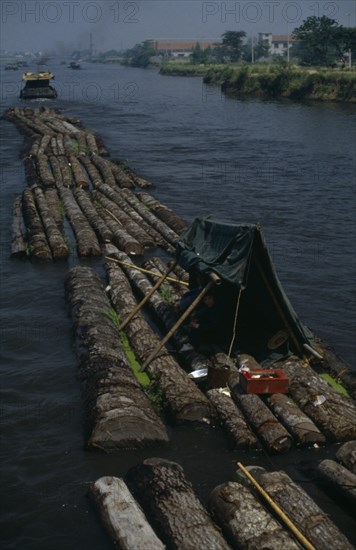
(147, 297)
(306, 544)
(172, 279)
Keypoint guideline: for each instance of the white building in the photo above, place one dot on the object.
(278, 43)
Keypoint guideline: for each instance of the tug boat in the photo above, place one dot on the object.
(37, 86)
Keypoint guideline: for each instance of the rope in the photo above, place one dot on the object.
(235, 322)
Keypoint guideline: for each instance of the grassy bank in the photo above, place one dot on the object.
(290, 82)
(184, 69)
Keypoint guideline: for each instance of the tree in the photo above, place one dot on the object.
(260, 49)
(199, 55)
(232, 44)
(321, 41)
(139, 55)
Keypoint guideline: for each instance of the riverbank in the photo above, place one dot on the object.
(273, 80)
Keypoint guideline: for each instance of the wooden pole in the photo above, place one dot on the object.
(180, 320)
(301, 538)
(172, 279)
(147, 297)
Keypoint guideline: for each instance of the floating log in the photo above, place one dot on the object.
(93, 173)
(164, 213)
(271, 432)
(105, 170)
(186, 403)
(54, 237)
(244, 521)
(233, 421)
(54, 148)
(56, 171)
(60, 145)
(45, 172)
(95, 220)
(168, 234)
(67, 175)
(337, 367)
(122, 415)
(130, 226)
(247, 362)
(18, 245)
(116, 196)
(38, 244)
(347, 455)
(70, 145)
(338, 479)
(297, 423)
(91, 143)
(87, 242)
(79, 177)
(32, 176)
(122, 178)
(120, 237)
(333, 413)
(313, 523)
(137, 180)
(55, 207)
(156, 265)
(123, 518)
(44, 143)
(172, 507)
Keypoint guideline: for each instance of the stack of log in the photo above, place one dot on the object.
(66, 167)
(155, 501)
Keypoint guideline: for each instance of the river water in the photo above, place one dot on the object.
(288, 166)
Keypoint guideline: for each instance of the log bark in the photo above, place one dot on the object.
(333, 413)
(338, 479)
(337, 366)
(347, 455)
(295, 421)
(55, 238)
(38, 244)
(185, 402)
(137, 180)
(164, 213)
(95, 220)
(156, 265)
(43, 145)
(122, 178)
(66, 172)
(244, 521)
(117, 197)
(247, 361)
(18, 245)
(172, 507)
(233, 421)
(122, 416)
(54, 204)
(45, 172)
(272, 433)
(105, 170)
(121, 238)
(70, 145)
(122, 517)
(54, 148)
(313, 523)
(78, 174)
(130, 226)
(32, 176)
(93, 173)
(168, 234)
(91, 143)
(60, 145)
(87, 242)
(56, 171)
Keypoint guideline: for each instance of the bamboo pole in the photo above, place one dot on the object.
(172, 279)
(180, 321)
(301, 538)
(147, 297)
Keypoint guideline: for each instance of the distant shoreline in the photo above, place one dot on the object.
(273, 81)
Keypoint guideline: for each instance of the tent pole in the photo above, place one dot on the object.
(147, 297)
(283, 317)
(216, 280)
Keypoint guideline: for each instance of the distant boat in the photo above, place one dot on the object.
(37, 86)
(74, 65)
(11, 67)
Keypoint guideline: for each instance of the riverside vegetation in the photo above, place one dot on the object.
(273, 80)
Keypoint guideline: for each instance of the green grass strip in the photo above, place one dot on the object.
(336, 385)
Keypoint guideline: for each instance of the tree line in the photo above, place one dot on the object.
(319, 41)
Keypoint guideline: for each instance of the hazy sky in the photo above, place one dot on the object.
(64, 25)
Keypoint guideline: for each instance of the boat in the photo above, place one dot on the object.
(74, 65)
(11, 67)
(37, 86)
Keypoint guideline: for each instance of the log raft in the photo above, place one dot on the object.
(338, 479)
(347, 455)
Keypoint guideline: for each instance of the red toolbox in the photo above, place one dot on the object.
(264, 381)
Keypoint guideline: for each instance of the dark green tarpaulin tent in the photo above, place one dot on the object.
(239, 255)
